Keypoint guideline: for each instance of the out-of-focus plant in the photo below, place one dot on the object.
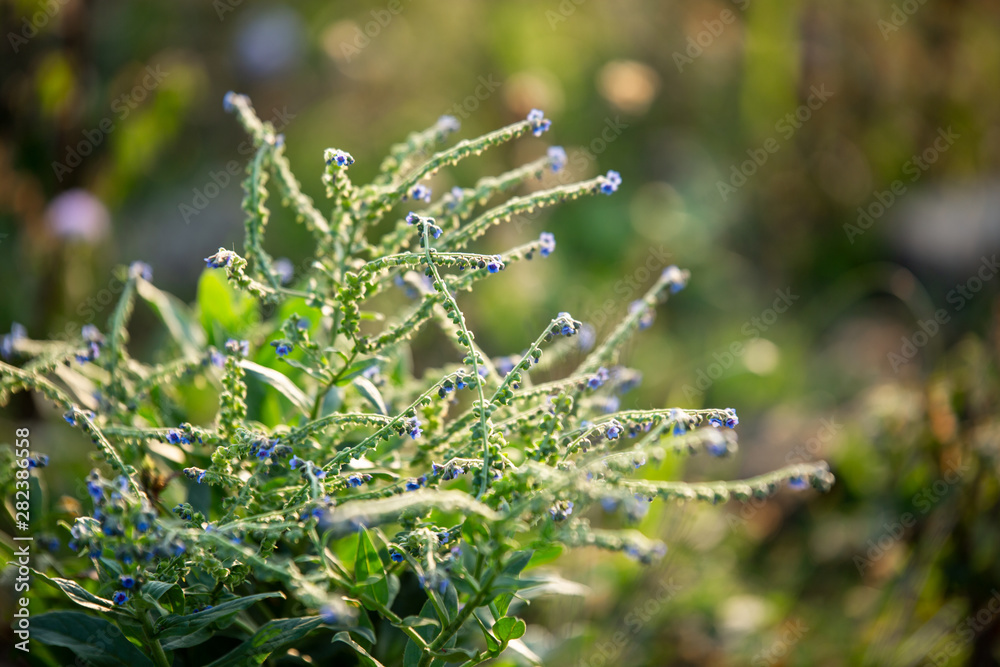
(398, 512)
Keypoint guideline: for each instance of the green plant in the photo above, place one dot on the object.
(400, 512)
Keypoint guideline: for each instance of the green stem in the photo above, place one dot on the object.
(156, 651)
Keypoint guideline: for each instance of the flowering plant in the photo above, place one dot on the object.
(335, 490)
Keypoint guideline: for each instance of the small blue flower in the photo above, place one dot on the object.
(281, 348)
(396, 556)
(355, 480)
(539, 123)
(295, 462)
(568, 328)
(241, 347)
(413, 428)
(444, 536)
(547, 243)
(610, 182)
(328, 615)
(127, 581)
(674, 278)
(646, 318)
(609, 504)
(412, 218)
(228, 101)
(38, 461)
(217, 359)
(173, 437)
(613, 430)
(17, 332)
(598, 378)
(142, 525)
(338, 157)
(457, 195)
(731, 419)
(201, 476)
(220, 259)
(561, 510)
(140, 270)
(798, 483)
(263, 453)
(447, 124)
(178, 548)
(119, 598)
(91, 334)
(557, 158)
(420, 193)
(95, 489)
(412, 484)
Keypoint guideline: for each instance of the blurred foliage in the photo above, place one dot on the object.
(899, 73)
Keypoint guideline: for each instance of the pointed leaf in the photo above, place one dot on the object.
(371, 394)
(175, 625)
(94, 639)
(365, 658)
(271, 636)
(78, 593)
(176, 316)
(281, 382)
(369, 571)
(357, 368)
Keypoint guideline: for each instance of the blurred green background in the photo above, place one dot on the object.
(827, 171)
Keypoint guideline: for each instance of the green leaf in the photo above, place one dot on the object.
(544, 555)
(279, 381)
(371, 394)
(517, 562)
(220, 304)
(96, 640)
(365, 658)
(412, 653)
(175, 625)
(271, 636)
(331, 402)
(176, 316)
(78, 593)
(419, 622)
(357, 368)
(457, 654)
(508, 628)
(169, 595)
(369, 572)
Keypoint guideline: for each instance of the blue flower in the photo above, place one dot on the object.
(609, 504)
(173, 437)
(568, 328)
(539, 123)
(140, 270)
(201, 476)
(228, 101)
(396, 556)
(798, 483)
(420, 193)
(447, 124)
(457, 195)
(282, 348)
(220, 259)
(17, 332)
(547, 243)
(263, 453)
(495, 264)
(413, 427)
(561, 510)
(717, 448)
(279, 141)
(95, 489)
(91, 334)
(119, 598)
(413, 484)
(444, 536)
(295, 462)
(715, 421)
(674, 278)
(142, 525)
(328, 615)
(610, 182)
(598, 378)
(412, 218)
(355, 480)
(338, 157)
(39, 461)
(646, 318)
(613, 430)
(557, 157)
(241, 347)
(127, 581)
(731, 419)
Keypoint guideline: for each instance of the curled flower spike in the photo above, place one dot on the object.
(281, 348)
(569, 325)
(119, 598)
(412, 218)
(447, 124)
(338, 157)
(240, 347)
(539, 123)
(610, 182)
(674, 278)
(557, 158)
(420, 193)
(220, 259)
(646, 319)
(547, 243)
